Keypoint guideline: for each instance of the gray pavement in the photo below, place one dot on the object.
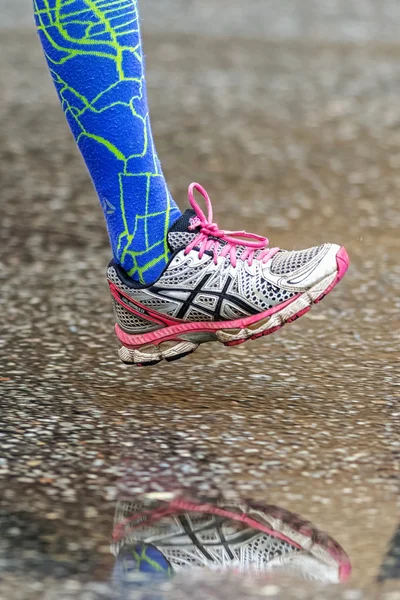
(291, 120)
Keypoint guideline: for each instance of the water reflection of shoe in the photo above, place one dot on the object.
(218, 286)
(255, 538)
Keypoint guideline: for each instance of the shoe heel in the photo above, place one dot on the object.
(151, 354)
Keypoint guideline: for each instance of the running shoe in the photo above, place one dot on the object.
(163, 538)
(225, 286)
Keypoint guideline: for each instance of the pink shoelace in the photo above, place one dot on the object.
(210, 236)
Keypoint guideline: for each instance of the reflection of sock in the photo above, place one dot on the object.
(94, 53)
(140, 558)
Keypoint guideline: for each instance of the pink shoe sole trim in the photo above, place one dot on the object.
(172, 332)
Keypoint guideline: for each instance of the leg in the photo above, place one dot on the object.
(93, 49)
(203, 284)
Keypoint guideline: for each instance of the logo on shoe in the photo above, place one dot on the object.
(134, 306)
(194, 222)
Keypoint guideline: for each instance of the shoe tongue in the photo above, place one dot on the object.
(179, 234)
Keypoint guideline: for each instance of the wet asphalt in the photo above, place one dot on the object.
(294, 128)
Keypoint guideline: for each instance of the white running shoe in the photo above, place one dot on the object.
(218, 286)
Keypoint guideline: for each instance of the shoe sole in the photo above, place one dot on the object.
(176, 341)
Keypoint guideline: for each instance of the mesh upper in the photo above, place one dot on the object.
(179, 234)
(262, 549)
(267, 294)
(177, 239)
(142, 296)
(206, 301)
(249, 548)
(179, 274)
(132, 322)
(286, 262)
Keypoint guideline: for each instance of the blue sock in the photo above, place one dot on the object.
(93, 49)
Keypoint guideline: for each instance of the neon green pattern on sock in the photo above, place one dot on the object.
(94, 53)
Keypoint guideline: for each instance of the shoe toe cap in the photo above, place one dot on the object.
(304, 268)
